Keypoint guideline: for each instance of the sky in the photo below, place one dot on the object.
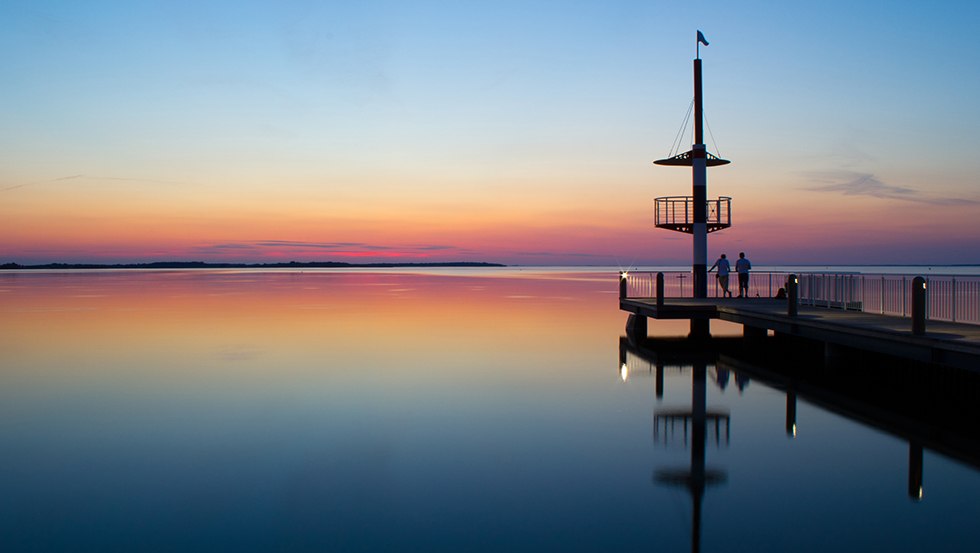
(513, 132)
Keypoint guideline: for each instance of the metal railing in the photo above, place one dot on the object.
(833, 290)
(677, 213)
(679, 284)
(948, 298)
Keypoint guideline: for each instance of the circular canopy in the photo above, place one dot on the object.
(687, 159)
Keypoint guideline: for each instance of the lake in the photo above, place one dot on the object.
(447, 410)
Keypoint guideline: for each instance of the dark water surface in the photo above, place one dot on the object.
(455, 410)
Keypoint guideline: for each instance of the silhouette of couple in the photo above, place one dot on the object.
(742, 267)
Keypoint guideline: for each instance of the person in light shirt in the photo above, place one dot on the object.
(724, 268)
(742, 267)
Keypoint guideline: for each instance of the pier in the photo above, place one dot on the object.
(902, 316)
(840, 324)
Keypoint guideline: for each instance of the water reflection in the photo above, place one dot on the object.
(331, 411)
(697, 476)
(928, 407)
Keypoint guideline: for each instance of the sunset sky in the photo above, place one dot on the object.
(515, 132)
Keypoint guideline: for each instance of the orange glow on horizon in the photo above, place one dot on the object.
(80, 224)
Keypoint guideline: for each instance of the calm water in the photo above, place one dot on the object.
(482, 410)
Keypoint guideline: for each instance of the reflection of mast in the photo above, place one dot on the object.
(634, 357)
(894, 407)
(697, 476)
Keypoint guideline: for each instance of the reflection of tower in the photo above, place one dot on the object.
(690, 214)
(894, 407)
(697, 476)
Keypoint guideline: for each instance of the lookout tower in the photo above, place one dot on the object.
(695, 214)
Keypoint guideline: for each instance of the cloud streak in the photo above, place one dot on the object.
(266, 247)
(852, 183)
(94, 178)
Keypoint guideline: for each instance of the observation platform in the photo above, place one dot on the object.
(677, 213)
(944, 343)
(686, 159)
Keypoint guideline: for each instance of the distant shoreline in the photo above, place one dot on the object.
(813, 267)
(205, 265)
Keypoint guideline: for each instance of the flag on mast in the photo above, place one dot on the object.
(701, 39)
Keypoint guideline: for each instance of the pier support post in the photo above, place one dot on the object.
(660, 291)
(918, 305)
(636, 326)
(700, 329)
(792, 295)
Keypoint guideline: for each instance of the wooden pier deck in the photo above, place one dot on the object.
(950, 344)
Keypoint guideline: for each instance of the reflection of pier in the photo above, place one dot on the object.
(935, 410)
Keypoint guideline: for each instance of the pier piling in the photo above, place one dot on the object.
(636, 325)
(918, 305)
(660, 290)
(792, 295)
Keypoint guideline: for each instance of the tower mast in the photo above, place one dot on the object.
(690, 214)
(699, 261)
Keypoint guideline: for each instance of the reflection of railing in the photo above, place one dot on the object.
(677, 213)
(948, 298)
(665, 423)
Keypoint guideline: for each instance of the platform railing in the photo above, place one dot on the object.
(948, 298)
(677, 213)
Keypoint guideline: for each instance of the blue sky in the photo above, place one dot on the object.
(515, 112)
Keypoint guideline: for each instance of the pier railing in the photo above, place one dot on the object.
(679, 284)
(948, 298)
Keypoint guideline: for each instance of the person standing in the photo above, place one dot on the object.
(724, 268)
(742, 267)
